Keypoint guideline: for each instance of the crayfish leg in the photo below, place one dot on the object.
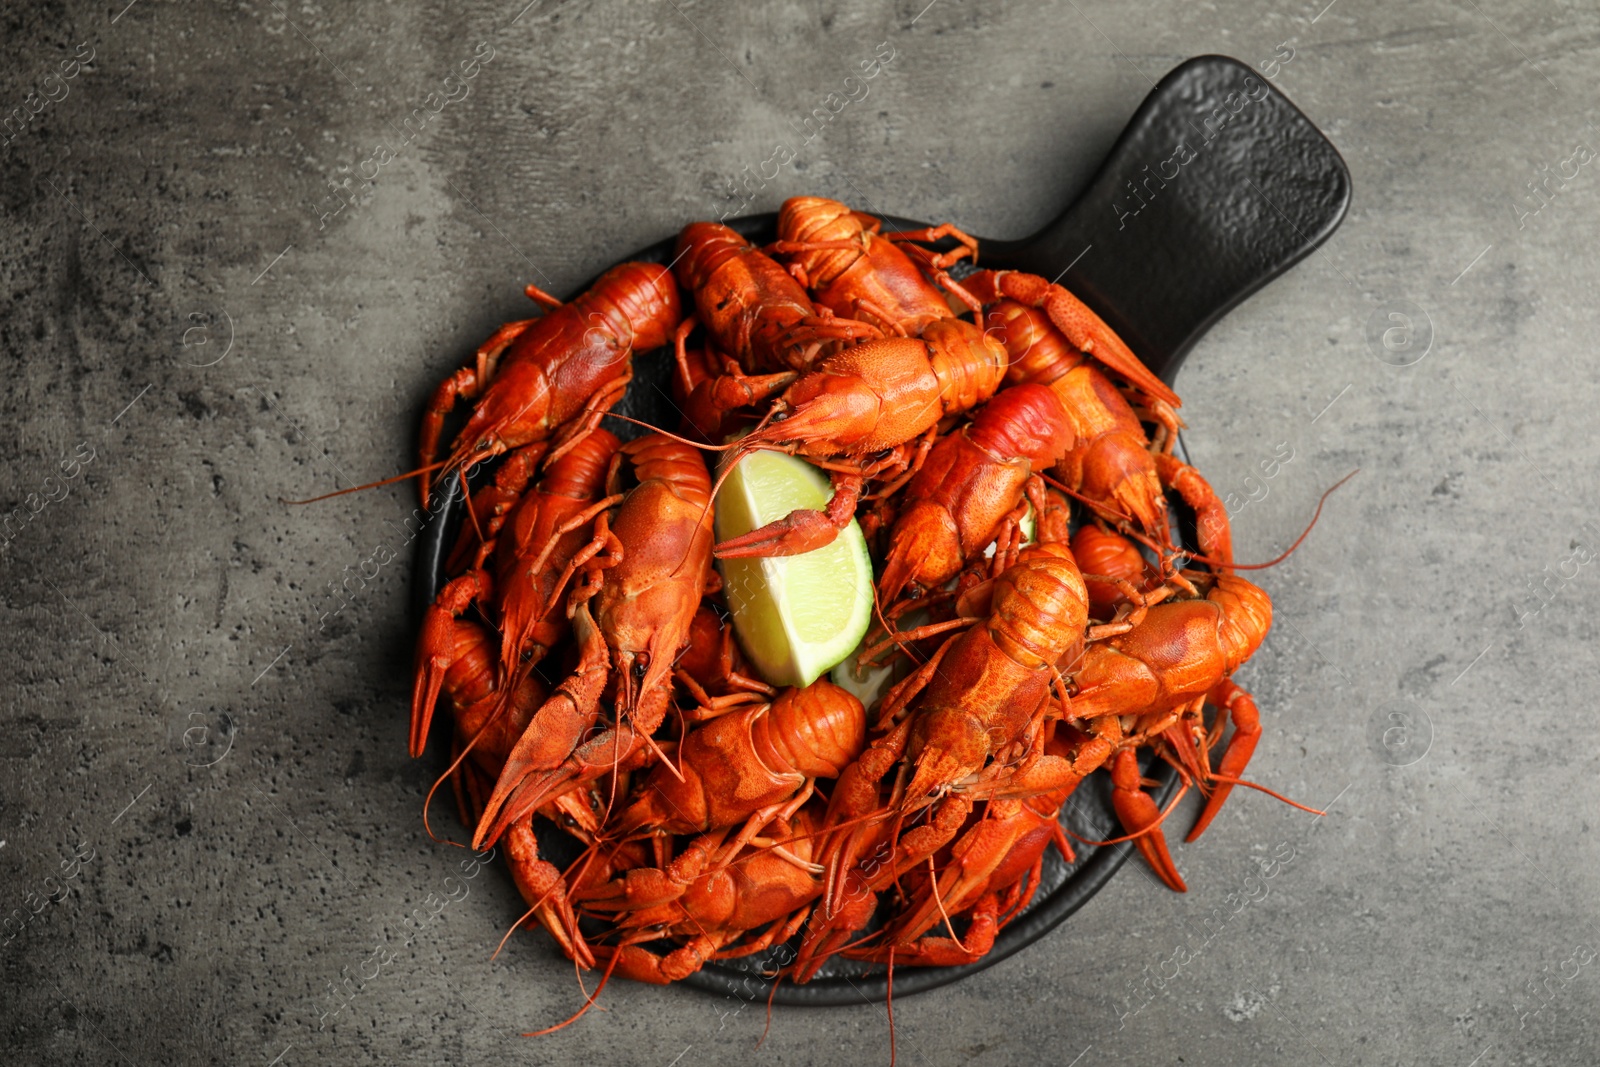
(555, 729)
(436, 649)
(642, 965)
(802, 530)
(1212, 528)
(465, 384)
(832, 926)
(1240, 706)
(543, 887)
(934, 951)
(1141, 817)
(650, 887)
(966, 245)
(1086, 331)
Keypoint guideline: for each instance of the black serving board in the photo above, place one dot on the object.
(1217, 185)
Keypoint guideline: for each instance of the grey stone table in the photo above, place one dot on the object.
(241, 241)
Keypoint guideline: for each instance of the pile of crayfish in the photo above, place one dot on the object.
(1011, 464)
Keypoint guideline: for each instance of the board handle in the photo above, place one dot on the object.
(1217, 186)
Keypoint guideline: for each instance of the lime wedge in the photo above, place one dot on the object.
(795, 616)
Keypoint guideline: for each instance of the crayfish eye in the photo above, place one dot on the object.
(527, 654)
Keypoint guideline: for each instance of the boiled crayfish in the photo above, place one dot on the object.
(1012, 461)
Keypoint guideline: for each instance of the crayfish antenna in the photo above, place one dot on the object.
(587, 1004)
(370, 485)
(889, 1004)
(669, 434)
(1297, 541)
(448, 772)
(466, 497)
(739, 450)
(776, 982)
(1271, 793)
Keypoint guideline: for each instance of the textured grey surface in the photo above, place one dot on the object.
(1445, 912)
